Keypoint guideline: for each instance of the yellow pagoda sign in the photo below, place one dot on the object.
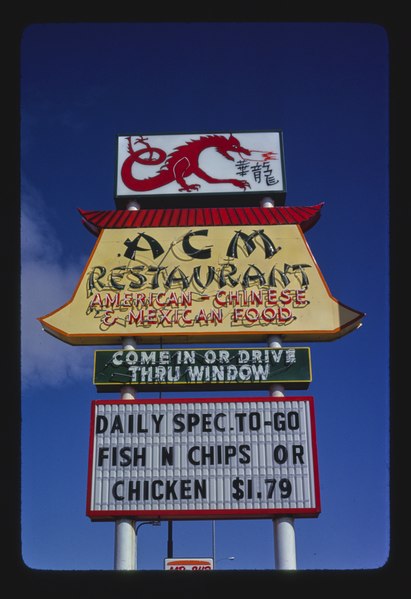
(200, 279)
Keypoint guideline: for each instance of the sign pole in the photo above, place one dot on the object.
(284, 533)
(125, 545)
(125, 532)
(213, 541)
(170, 539)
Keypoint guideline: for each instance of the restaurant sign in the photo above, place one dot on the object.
(212, 368)
(199, 284)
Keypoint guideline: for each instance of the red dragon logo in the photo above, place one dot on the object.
(180, 163)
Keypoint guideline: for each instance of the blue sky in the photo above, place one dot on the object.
(326, 86)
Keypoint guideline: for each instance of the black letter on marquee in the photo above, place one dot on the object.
(300, 268)
(193, 252)
(280, 454)
(133, 247)
(115, 494)
(101, 424)
(269, 248)
(93, 280)
(298, 452)
(227, 277)
(196, 276)
(173, 278)
(157, 270)
(102, 455)
(167, 456)
(259, 276)
(117, 425)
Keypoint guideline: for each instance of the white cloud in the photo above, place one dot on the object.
(46, 284)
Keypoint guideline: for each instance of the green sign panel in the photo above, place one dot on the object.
(211, 368)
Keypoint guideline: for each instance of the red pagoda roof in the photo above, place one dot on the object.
(95, 220)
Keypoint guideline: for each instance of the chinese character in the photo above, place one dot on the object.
(268, 174)
(257, 172)
(290, 357)
(242, 166)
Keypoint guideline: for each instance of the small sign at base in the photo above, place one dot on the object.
(189, 563)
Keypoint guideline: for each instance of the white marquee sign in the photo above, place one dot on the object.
(203, 458)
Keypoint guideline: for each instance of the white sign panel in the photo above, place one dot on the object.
(203, 458)
(188, 563)
(200, 163)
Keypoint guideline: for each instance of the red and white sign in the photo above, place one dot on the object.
(188, 563)
(220, 457)
(200, 164)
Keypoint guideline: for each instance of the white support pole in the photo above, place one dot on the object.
(125, 532)
(125, 545)
(284, 533)
(284, 544)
